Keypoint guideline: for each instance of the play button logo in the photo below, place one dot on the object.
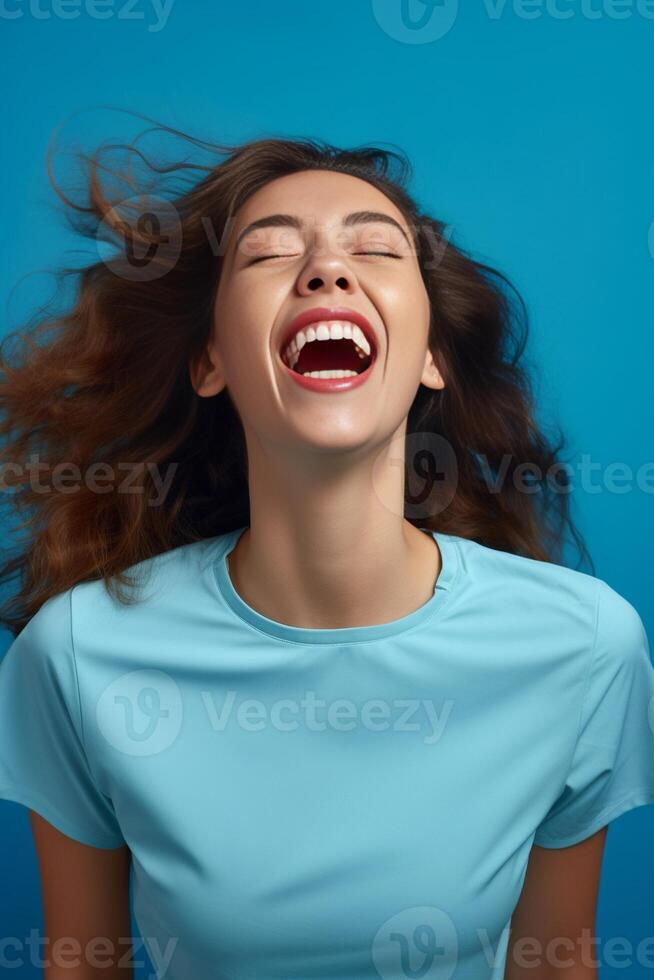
(415, 21)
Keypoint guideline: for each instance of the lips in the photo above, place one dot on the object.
(317, 313)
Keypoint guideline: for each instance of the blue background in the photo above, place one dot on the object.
(531, 135)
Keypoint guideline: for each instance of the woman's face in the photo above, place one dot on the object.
(273, 273)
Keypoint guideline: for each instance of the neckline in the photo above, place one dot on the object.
(431, 609)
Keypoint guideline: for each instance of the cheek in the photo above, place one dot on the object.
(406, 312)
(404, 293)
(243, 324)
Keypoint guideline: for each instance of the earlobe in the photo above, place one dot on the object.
(431, 376)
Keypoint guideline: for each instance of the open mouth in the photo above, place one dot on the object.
(329, 349)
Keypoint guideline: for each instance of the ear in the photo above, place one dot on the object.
(206, 374)
(431, 376)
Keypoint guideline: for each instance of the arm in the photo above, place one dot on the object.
(555, 912)
(85, 896)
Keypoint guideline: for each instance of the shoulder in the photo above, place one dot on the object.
(41, 655)
(493, 571)
(164, 585)
(51, 624)
(552, 594)
(149, 583)
(47, 635)
(621, 643)
(616, 616)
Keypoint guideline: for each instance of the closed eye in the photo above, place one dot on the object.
(262, 258)
(388, 255)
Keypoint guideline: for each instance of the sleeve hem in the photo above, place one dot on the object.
(45, 809)
(641, 797)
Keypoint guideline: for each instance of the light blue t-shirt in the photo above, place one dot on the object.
(338, 803)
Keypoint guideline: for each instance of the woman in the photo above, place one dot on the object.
(351, 717)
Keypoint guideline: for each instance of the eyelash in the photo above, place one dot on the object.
(388, 255)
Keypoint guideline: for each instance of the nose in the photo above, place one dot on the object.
(328, 272)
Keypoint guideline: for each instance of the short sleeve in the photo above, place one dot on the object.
(612, 767)
(43, 763)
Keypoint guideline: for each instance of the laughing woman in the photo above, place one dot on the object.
(331, 695)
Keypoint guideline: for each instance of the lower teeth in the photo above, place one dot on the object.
(329, 374)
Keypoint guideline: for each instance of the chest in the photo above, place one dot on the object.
(292, 823)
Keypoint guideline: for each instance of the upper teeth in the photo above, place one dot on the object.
(327, 330)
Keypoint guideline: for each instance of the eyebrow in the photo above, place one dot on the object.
(291, 221)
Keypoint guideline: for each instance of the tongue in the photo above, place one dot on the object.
(326, 355)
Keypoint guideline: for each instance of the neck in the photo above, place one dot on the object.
(327, 550)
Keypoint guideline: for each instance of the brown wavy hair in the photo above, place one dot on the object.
(106, 382)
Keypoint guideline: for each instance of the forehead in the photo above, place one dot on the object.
(320, 196)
